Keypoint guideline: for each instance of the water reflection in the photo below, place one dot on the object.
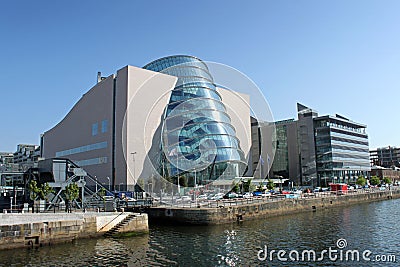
(372, 226)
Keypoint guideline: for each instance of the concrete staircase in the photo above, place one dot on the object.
(116, 229)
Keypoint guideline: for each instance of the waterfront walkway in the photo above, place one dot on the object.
(26, 218)
(205, 203)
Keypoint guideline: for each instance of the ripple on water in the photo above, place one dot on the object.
(372, 226)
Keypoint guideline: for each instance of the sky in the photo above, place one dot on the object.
(334, 56)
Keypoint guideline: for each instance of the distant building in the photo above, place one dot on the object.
(261, 154)
(286, 161)
(6, 157)
(6, 161)
(26, 155)
(316, 150)
(391, 173)
(386, 157)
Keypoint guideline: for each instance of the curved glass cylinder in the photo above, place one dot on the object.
(198, 138)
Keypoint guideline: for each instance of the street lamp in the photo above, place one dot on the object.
(95, 178)
(109, 184)
(134, 165)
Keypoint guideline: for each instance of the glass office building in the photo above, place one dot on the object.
(198, 141)
(317, 150)
(280, 167)
(341, 147)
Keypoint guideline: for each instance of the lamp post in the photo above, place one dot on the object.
(134, 165)
(177, 167)
(195, 188)
(109, 184)
(95, 178)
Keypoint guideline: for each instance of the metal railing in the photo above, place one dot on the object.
(206, 203)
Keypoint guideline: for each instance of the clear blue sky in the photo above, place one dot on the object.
(335, 56)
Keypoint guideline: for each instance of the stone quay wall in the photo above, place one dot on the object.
(28, 230)
(248, 211)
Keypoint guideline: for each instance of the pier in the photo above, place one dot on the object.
(29, 230)
(228, 211)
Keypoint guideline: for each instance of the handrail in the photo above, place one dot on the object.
(274, 198)
(109, 222)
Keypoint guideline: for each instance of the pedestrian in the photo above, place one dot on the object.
(67, 205)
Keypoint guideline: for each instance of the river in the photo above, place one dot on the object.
(369, 230)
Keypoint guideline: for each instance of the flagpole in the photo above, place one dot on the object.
(268, 166)
(177, 167)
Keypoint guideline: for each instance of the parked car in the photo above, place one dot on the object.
(217, 196)
(184, 199)
(261, 194)
(292, 196)
(317, 189)
(200, 197)
(247, 195)
(231, 195)
(297, 192)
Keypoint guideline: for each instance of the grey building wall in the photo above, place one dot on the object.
(293, 153)
(263, 143)
(137, 148)
(305, 128)
(287, 158)
(75, 136)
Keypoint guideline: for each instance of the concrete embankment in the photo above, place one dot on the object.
(262, 208)
(25, 230)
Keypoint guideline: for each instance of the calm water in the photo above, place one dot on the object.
(372, 226)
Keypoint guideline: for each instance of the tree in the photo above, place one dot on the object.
(183, 181)
(361, 181)
(235, 187)
(248, 186)
(39, 192)
(72, 191)
(387, 180)
(375, 180)
(260, 187)
(270, 184)
(102, 193)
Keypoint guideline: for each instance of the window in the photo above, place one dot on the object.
(81, 149)
(95, 127)
(104, 126)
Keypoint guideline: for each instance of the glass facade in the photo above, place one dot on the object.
(95, 128)
(104, 126)
(81, 149)
(342, 152)
(198, 140)
(94, 161)
(280, 166)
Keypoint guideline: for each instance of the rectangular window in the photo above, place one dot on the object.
(95, 128)
(95, 161)
(104, 126)
(81, 149)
